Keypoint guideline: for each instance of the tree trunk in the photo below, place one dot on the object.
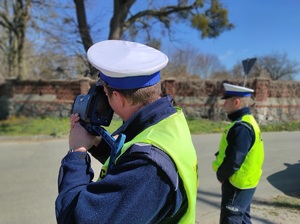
(21, 24)
(121, 9)
(83, 27)
(84, 31)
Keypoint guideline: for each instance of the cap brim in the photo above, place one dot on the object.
(226, 97)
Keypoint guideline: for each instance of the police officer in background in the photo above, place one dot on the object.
(239, 161)
(154, 177)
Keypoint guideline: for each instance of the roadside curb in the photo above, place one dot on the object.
(30, 138)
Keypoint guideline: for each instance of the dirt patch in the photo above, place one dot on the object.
(277, 210)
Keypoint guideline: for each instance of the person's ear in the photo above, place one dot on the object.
(119, 98)
(237, 101)
(105, 90)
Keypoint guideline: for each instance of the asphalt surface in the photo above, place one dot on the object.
(29, 167)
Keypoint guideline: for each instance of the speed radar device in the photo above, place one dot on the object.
(93, 108)
(94, 112)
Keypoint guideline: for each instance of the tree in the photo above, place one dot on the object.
(14, 16)
(275, 66)
(189, 62)
(180, 62)
(209, 19)
(211, 22)
(41, 45)
(221, 74)
(208, 65)
(238, 71)
(50, 28)
(278, 66)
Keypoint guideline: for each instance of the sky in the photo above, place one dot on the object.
(262, 27)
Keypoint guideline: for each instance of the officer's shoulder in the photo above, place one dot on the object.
(160, 158)
(242, 124)
(243, 127)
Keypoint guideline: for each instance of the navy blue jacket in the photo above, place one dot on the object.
(240, 138)
(139, 189)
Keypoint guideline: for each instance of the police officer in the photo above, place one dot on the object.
(239, 161)
(153, 179)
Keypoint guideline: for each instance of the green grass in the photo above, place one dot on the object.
(204, 126)
(56, 127)
(283, 126)
(34, 126)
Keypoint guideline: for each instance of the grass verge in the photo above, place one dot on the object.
(56, 127)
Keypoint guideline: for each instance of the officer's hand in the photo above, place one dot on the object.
(74, 118)
(79, 137)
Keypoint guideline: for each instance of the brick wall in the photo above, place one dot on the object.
(275, 100)
(40, 98)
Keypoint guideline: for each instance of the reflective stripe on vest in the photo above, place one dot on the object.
(172, 135)
(250, 171)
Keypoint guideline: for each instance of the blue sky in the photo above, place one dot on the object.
(262, 27)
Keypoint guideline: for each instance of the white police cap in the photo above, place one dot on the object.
(233, 90)
(125, 64)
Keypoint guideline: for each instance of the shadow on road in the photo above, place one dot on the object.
(214, 199)
(277, 203)
(210, 198)
(206, 196)
(287, 180)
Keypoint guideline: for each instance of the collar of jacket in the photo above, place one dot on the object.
(237, 115)
(146, 117)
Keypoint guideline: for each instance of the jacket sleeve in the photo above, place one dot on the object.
(240, 139)
(131, 192)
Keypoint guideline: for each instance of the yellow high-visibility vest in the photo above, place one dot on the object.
(250, 171)
(172, 135)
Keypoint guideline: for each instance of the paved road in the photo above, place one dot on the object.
(28, 171)
(280, 148)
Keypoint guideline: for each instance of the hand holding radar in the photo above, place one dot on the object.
(94, 111)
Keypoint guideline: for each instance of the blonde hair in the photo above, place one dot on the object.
(246, 102)
(142, 96)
